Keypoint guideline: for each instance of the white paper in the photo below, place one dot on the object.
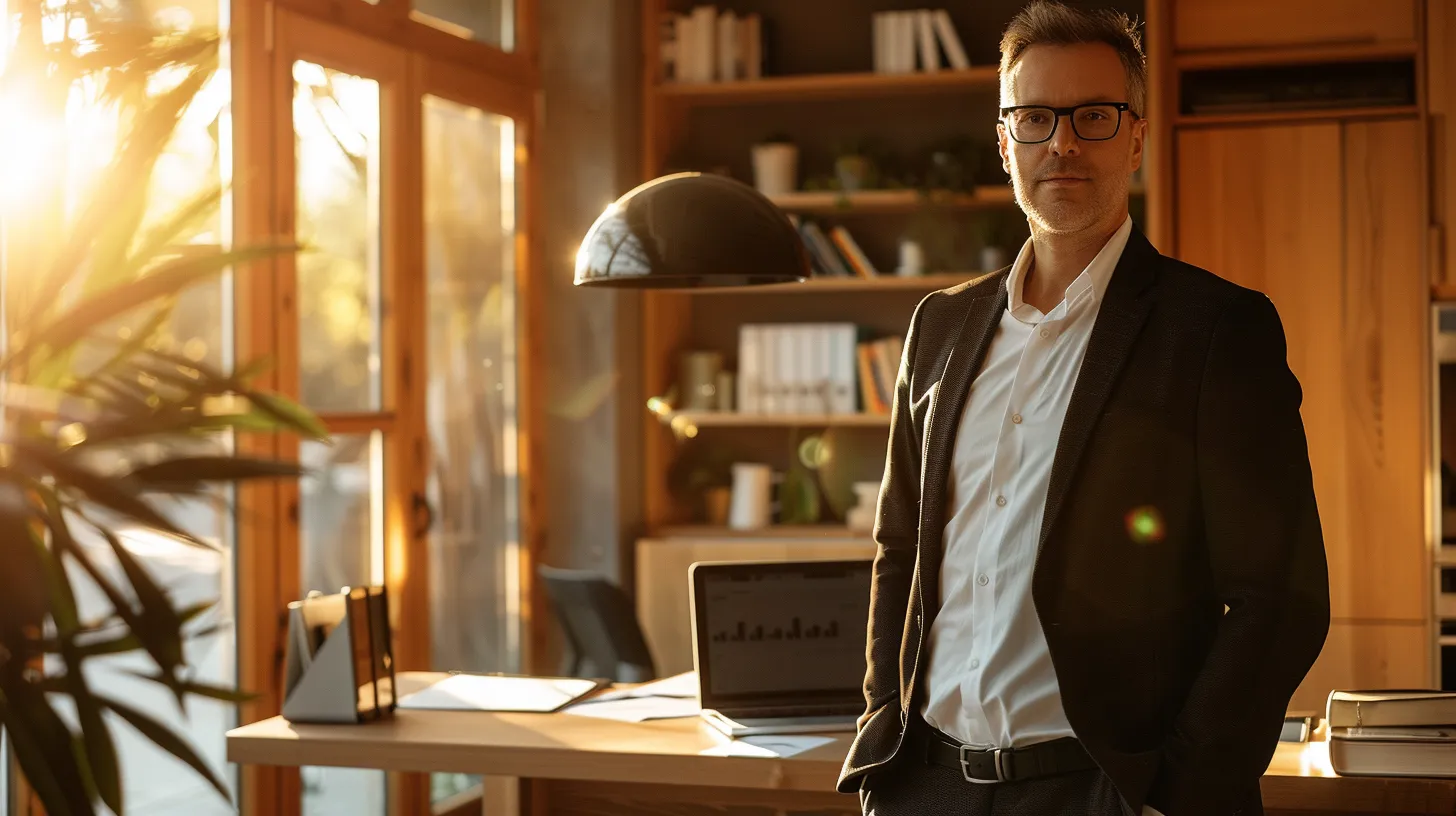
(767, 746)
(637, 709)
(483, 692)
(679, 685)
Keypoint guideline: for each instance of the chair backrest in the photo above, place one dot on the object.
(600, 625)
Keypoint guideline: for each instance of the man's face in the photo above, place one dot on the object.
(1068, 184)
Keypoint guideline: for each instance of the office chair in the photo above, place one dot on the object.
(600, 625)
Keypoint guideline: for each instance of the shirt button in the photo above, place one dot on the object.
(982, 579)
(1016, 418)
(1000, 501)
(975, 663)
(1045, 333)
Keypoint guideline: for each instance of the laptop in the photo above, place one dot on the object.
(779, 647)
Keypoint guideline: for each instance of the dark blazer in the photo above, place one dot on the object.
(1186, 412)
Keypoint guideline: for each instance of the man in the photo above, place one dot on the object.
(1098, 546)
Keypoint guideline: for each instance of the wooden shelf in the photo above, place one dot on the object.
(892, 201)
(882, 283)
(889, 201)
(1272, 117)
(1345, 52)
(733, 419)
(804, 531)
(828, 86)
(1443, 291)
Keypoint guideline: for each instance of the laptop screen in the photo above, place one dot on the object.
(770, 633)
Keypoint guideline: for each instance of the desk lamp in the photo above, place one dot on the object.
(690, 230)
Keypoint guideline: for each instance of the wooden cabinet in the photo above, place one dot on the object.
(1228, 24)
(1326, 220)
(1441, 96)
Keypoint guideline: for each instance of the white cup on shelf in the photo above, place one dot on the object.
(751, 506)
(776, 168)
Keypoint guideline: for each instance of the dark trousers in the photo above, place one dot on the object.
(912, 787)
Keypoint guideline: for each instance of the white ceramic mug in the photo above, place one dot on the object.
(776, 168)
(752, 504)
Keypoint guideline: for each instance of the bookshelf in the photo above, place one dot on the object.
(814, 87)
(822, 86)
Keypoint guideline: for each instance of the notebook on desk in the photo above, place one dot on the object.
(779, 647)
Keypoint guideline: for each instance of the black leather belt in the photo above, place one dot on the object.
(1050, 758)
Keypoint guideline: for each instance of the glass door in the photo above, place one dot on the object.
(338, 333)
(474, 159)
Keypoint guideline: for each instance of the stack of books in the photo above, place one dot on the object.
(815, 368)
(706, 45)
(1392, 732)
(907, 41)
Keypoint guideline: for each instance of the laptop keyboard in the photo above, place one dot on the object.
(779, 712)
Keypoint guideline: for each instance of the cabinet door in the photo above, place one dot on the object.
(1325, 220)
(1209, 24)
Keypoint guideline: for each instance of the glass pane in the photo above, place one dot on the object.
(336, 135)
(492, 22)
(341, 539)
(474, 545)
(67, 153)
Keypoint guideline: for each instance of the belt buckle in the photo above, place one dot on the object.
(996, 762)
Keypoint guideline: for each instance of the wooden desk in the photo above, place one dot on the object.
(582, 765)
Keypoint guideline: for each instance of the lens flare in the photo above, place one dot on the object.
(1145, 525)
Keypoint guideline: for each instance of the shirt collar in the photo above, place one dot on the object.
(1093, 280)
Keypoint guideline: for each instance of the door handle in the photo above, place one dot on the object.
(424, 514)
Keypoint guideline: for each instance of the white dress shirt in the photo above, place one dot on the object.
(990, 679)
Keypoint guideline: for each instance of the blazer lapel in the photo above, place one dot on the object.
(983, 313)
(1124, 307)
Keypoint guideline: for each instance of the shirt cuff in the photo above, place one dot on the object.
(1149, 810)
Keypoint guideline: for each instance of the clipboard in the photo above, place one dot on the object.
(466, 691)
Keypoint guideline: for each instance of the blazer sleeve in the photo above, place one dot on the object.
(896, 531)
(1267, 557)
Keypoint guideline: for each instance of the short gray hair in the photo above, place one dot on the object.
(1046, 22)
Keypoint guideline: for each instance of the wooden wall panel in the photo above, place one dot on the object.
(1326, 220)
(1210, 24)
(1382, 574)
(1366, 656)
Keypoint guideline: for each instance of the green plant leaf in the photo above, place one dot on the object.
(292, 415)
(106, 642)
(100, 307)
(208, 690)
(165, 739)
(109, 492)
(43, 748)
(192, 470)
(161, 626)
(95, 751)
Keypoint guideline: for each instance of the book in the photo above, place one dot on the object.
(1393, 751)
(1391, 707)
(955, 52)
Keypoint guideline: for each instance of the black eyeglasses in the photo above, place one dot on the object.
(1093, 121)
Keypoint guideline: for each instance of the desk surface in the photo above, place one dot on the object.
(546, 746)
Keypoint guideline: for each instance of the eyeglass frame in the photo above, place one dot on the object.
(1058, 113)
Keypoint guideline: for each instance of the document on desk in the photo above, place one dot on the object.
(766, 746)
(491, 692)
(678, 685)
(636, 709)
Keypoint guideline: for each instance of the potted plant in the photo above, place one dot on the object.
(855, 167)
(102, 427)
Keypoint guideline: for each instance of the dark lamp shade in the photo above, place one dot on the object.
(690, 230)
